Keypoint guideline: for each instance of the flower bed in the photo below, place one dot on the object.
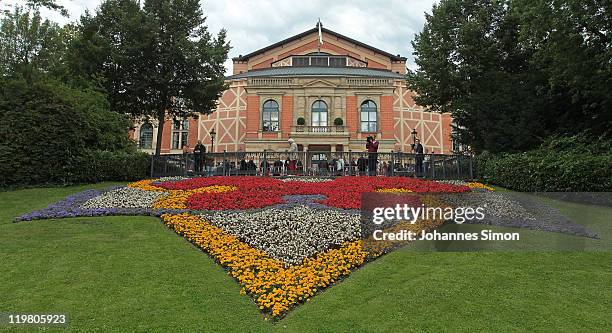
(76, 206)
(125, 197)
(292, 234)
(282, 240)
(258, 192)
(274, 287)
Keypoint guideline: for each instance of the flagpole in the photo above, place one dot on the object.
(320, 41)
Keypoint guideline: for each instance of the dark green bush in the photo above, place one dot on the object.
(97, 166)
(569, 164)
(338, 122)
(301, 121)
(54, 134)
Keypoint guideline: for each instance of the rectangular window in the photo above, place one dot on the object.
(368, 121)
(270, 121)
(146, 136)
(301, 61)
(184, 138)
(319, 61)
(337, 62)
(180, 134)
(176, 140)
(319, 119)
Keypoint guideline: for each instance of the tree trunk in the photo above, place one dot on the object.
(160, 131)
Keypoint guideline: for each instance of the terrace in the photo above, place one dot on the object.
(315, 163)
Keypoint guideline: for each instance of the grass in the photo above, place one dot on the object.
(119, 274)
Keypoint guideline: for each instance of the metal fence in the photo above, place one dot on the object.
(314, 163)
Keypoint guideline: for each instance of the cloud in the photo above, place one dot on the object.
(388, 25)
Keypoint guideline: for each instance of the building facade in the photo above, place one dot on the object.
(326, 91)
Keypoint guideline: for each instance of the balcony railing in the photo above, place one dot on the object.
(319, 129)
(270, 81)
(368, 81)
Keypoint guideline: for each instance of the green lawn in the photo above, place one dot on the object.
(123, 274)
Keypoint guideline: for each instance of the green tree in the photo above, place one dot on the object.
(49, 4)
(29, 45)
(571, 42)
(49, 128)
(513, 72)
(157, 62)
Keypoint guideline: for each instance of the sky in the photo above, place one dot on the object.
(389, 25)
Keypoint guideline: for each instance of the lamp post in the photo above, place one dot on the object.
(414, 134)
(212, 139)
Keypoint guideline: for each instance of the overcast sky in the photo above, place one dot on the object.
(389, 25)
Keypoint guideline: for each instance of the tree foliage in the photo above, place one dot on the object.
(49, 4)
(53, 127)
(28, 44)
(513, 72)
(48, 128)
(158, 61)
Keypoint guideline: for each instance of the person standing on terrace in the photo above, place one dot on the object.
(417, 149)
(198, 154)
(372, 147)
(293, 147)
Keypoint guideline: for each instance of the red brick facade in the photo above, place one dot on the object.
(374, 75)
(386, 117)
(286, 116)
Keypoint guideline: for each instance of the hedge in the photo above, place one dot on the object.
(91, 167)
(561, 165)
(100, 166)
(52, 133)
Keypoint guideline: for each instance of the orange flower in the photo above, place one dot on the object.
(393, 190)
(177, 199)
(474, 185)
(274, 287)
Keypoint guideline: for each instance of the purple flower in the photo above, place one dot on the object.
(71, 207)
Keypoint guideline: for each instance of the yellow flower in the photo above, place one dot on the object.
(177, 199)
(146, 185)
(393, 190)
(274, 287)
(479, 185)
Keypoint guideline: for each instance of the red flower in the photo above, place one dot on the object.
(257, 192)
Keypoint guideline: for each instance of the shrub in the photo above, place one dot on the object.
(50, 132)
(570, 164)
(97, 166)
(338, 122)
(301, 121)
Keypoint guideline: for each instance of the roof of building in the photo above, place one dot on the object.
(317, 71)
(315, 30)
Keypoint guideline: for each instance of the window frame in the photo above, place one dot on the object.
(318, 110)
(149, 128)
(270, 110)
(180, 134)
(365, 107)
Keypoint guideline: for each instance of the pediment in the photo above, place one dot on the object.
(320, 83)
(307, 41)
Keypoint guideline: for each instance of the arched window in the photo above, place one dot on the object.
(146, 136)
(270, 116)
(319, 113)
(369, 117)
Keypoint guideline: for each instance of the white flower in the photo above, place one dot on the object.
(453, 182)
(171, 179)
(307, 180)
(125, 197)
(291, 234)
